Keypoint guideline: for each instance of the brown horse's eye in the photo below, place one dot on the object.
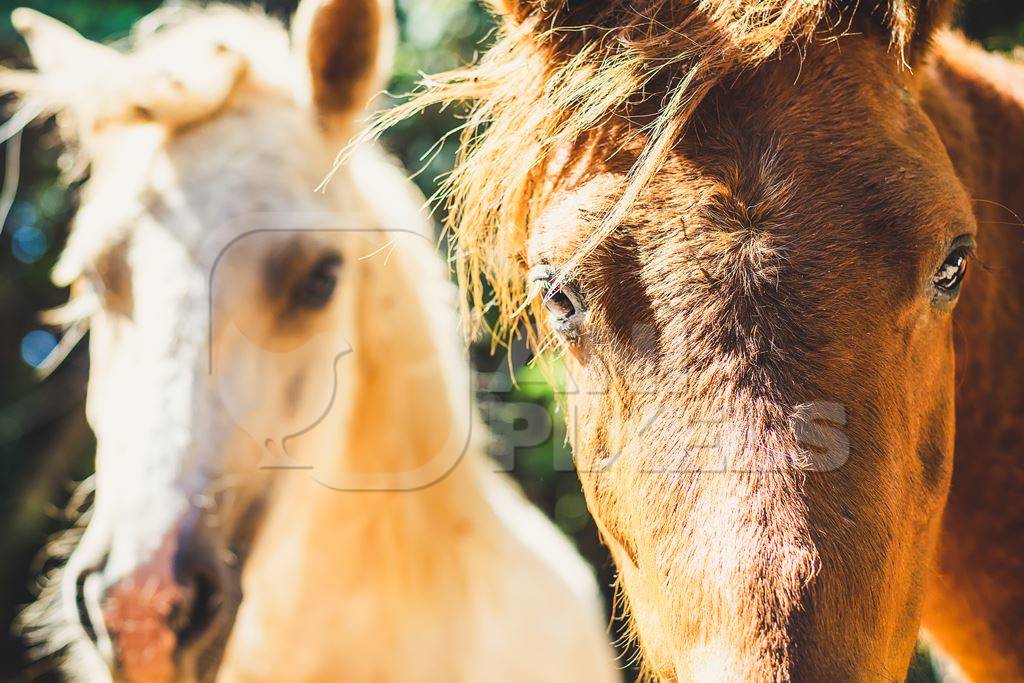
(316, 290)
(563, 301)
(951, 273)
(560, 304)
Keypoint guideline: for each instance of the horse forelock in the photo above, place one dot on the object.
(557, 73)
(179, 66)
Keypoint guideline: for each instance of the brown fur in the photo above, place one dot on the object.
(753, 197)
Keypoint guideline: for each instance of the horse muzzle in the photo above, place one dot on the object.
(165, 620)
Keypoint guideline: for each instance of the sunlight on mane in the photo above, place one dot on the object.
(179, 66)
(554, 74)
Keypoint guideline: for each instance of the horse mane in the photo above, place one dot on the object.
(166, 71)
(558, 70)
(160, 74)
(179, 66)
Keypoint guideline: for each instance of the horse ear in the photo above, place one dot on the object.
(58, 48)
(345, 48)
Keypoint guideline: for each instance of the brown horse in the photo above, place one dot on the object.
(750, 221)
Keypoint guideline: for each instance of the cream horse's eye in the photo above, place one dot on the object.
(563, 301)
(317, 288)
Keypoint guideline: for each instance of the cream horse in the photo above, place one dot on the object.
(289, 486)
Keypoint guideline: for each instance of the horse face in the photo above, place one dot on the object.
(761, 355)
(225, 294)
(222, 315)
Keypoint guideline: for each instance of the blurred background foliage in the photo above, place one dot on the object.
(45, 444)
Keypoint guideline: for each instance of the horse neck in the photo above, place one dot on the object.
(412, 417)
(976, 100)
(977, 103)
(405, 548)
(411, 433)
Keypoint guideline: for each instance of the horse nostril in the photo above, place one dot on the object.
(165, 614)
(192, 620)
(198, 568)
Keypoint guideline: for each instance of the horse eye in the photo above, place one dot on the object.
(318, 286)
(563, 302)
(951, 273)
(559, 304)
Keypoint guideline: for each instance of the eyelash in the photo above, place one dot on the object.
(557, 301)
